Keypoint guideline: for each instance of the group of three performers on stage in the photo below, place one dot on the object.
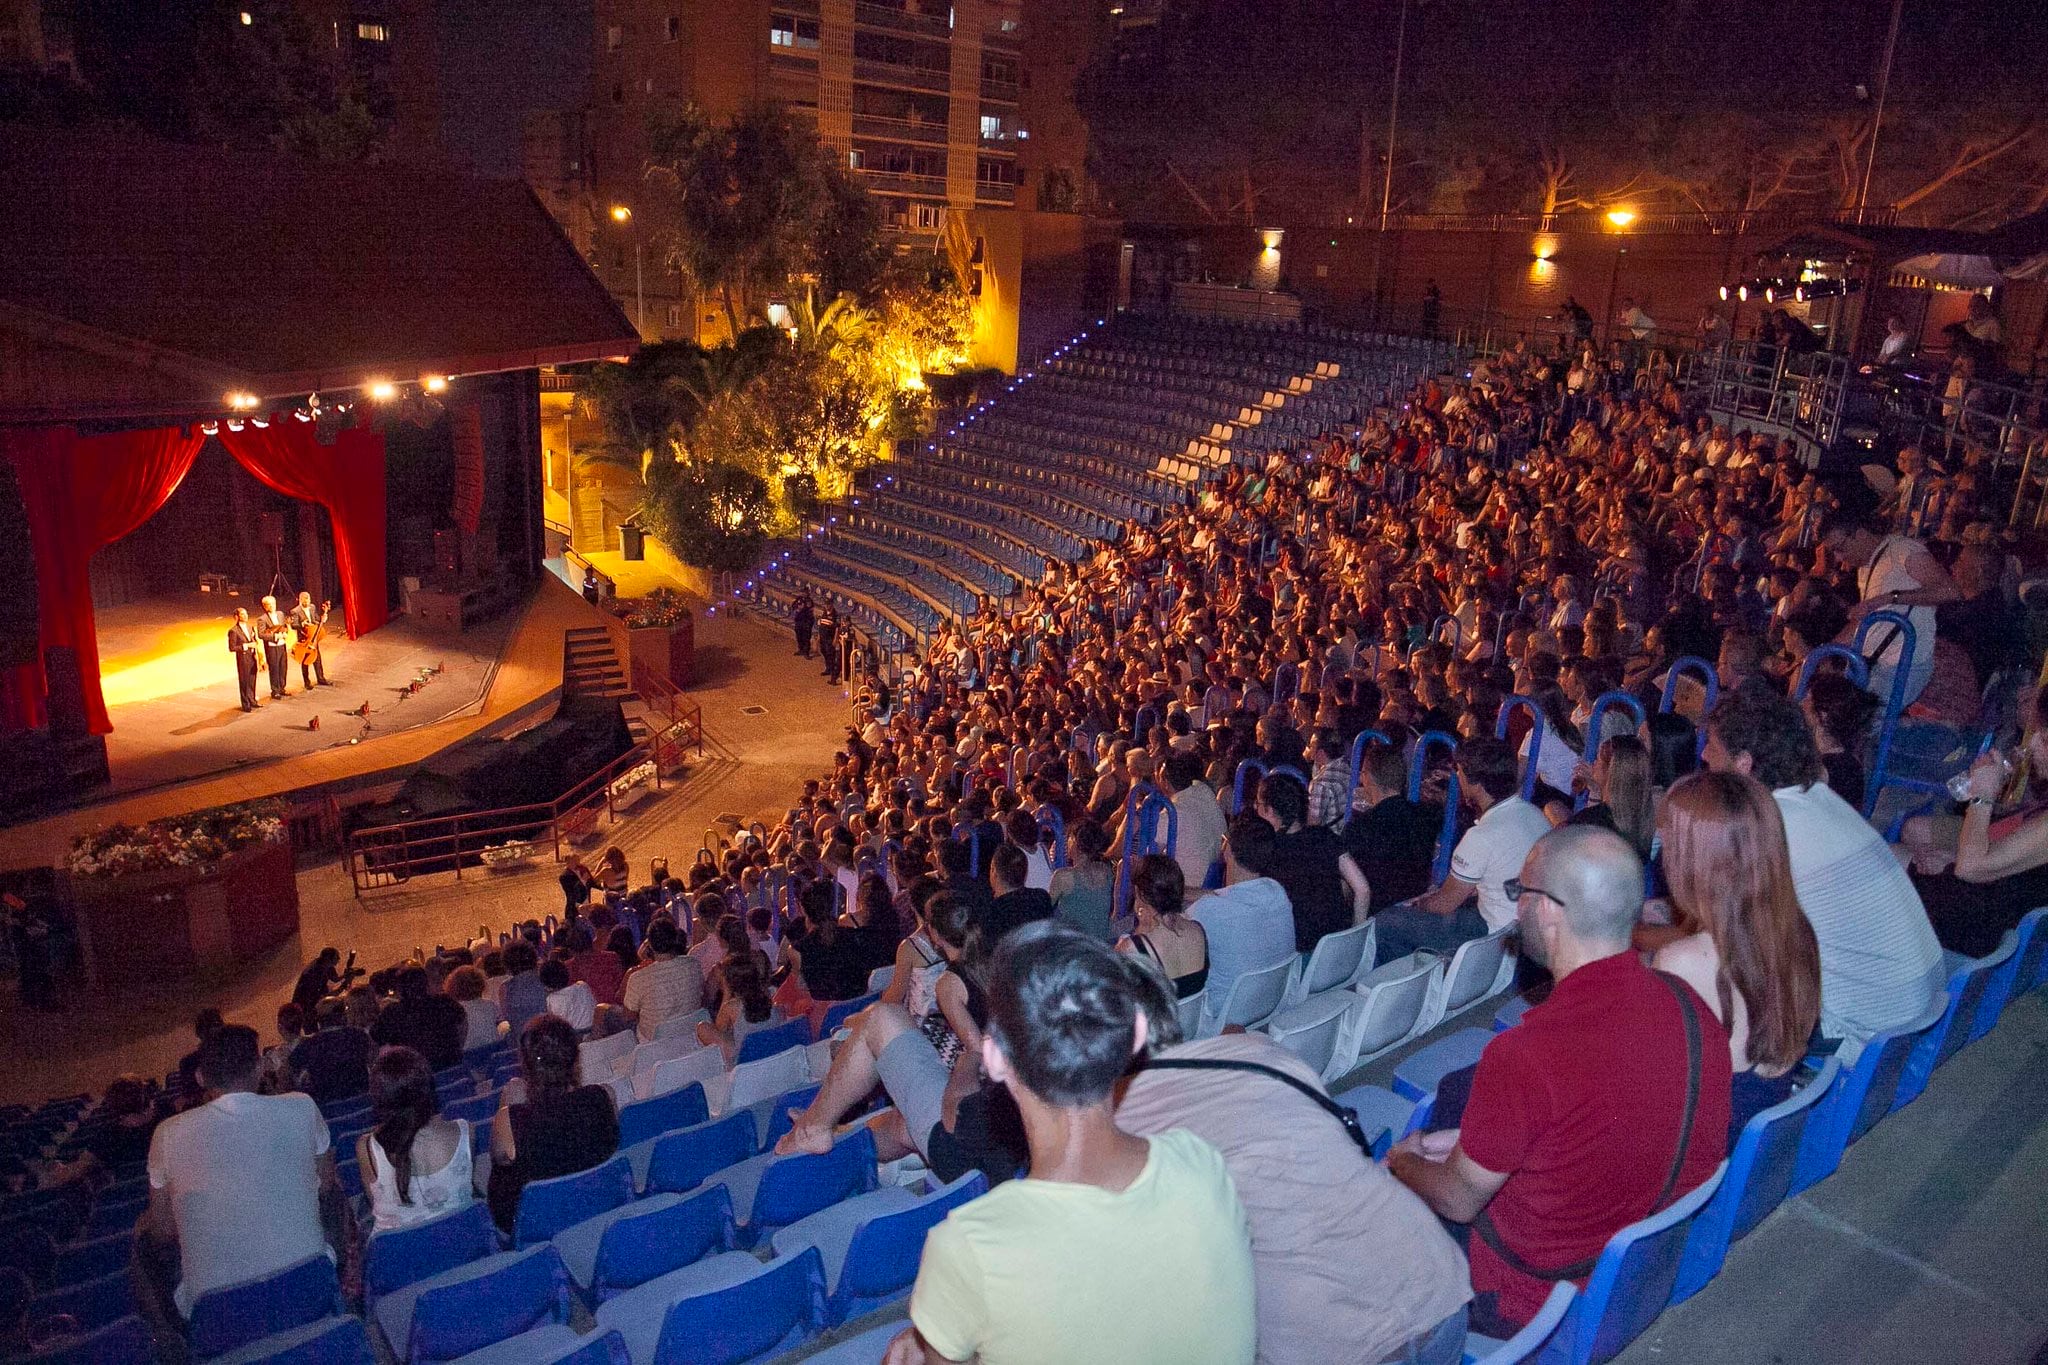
(262, 644)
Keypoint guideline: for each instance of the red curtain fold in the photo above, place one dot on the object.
(346, 478)
(82, 495)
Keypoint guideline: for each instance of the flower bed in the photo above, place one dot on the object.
(515, 853)
(178, 841)
(634, 783)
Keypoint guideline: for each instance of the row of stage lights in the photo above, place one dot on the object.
(953, 430)
(1780, 290)
(380, 391)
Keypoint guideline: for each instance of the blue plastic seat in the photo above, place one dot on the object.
(124, 1341)
(793, 1188)
(637, 1242)
(232, 1316)
(769, 1041)
(1632, 1282)
(95, 1303)
(1510, 1013)
(328, 1341)
(90, 1260)
(1525, 1344)
(1759, 1176)
(1422, 1070)
(1967, 984)
(548, 1206)
(1861, 1095)
(782, 1111)
(554, 1344)
(478, 1109)
(1385, 1116)
(470, 1307)
(682, 1108)
(2018, 974)
(724, 1310)
(871, 1245)
(846, 1009)
(403, 1256)
(678, 1162)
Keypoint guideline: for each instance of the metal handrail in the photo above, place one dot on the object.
(1446, 836)
(1590, 749)
(1500, 731)
(1142, 808)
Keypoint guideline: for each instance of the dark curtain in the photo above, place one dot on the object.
(81, 494)
(346, 478)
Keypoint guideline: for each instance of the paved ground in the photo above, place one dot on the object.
(751, 767)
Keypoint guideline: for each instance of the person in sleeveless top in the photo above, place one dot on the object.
(551, 1126)
(1166, 937)
(1084, 890)
(415, 1164)
(746, 1009)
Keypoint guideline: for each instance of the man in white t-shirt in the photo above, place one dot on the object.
(665, 985)
(1473, 900)
(235, 1184)
(1199, 821)
(1250, 922)
(1896, 574)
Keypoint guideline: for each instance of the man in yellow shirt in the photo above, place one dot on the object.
(1115, 1249)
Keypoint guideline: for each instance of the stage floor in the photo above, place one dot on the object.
(170, 688)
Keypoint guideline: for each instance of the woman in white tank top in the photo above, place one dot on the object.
(415, 1164)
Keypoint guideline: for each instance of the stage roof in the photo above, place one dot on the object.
(212, 271)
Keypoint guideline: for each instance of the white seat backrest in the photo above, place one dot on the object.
(648, 1056)
(1335, 960)
(1473, 969)
(1316, 1034)
(680, 1025)
(878, 979)
(622, 1090)
(677, 1072)
(594, 1059)
(1393, 1003)
(767, 1077)
(1189, 1011)
(1257, 993)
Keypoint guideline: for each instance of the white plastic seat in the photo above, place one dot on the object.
(1338, 960)
(1480, 968)
(762, 1079)
(703, 1066)
(1389, 1009)
(1253, 997)
(1315, 1030)
(647, 1056)
(680, 1025)
(594, 1059)
(1189, 1012)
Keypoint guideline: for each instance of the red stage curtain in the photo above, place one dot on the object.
(346, 478)
(81, 495)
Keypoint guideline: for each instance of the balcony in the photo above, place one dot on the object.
(902, 77)
(890, 182)
(1002, 92)
(902, 21)
(925, 132)
(999, 144)
(801, 61)
(994, 192)
(1012, 41)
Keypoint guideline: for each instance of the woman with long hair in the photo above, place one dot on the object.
(416, 1165)
(1747, 949)
(1083, 890)
(747, 1006)
(550, 1125)
(1619, 785)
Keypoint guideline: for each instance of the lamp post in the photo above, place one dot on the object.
(621, 214)
(1618, 219)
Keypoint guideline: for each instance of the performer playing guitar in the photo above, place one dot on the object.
(271, 625)
(310, 625)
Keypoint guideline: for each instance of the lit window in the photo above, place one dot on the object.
(782, 30)
(991, 126)
(675, 31)
(675, 315)
(247, 18)
(614, 38)
(929, 217)
(856, 159)
(1009, 26)
(373, 33)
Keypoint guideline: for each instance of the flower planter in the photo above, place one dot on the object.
(670, 651)
(203, 920)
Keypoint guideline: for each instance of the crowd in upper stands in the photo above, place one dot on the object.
(1703, 906)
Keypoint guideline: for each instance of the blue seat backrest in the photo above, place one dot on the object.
(451, 1320)
(609, 1349)
(748, 1320)
(548, 1206)
(882, 1259)
(681, 1160)
(781, 1113)
(339, 1341)
(2008, 978)
(95, 1303)
(769, 1041)
(404, 1256)
(683, 1108)
(639, 1247)
(233, 1316)
(1633, 1281)
(796, 1187)
(843, 1011)
(124, 1341)
(1862, 1094)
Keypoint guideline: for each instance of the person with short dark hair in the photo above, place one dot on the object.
(1894, 573)
(555, 1127)
(323, 976)
(1199, 819)
(568, 1000)
(423, 1020)
(1019, 1273)
(205, 1024)
(1391, 839)
(333, 1062)
(668, 983)
(465, 986)
(1015, 902)
(1249, 924)
(522, 997)
(236, 1183)
(1471, 902)
(1308, 862)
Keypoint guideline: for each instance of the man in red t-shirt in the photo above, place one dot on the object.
(1573, 1128)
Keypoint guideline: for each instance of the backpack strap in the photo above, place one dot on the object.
(1489, 1234)
(1322, 1101)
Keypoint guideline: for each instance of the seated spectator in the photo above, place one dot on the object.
(522, 996)
(827, 959)
(1618, 784)
(1840, 713)
(1166, 936)
(235, 1185)
(1349, 1264)
(1084, 891)
(1744, 948)
(2001, 867)
(1249, 923)
(1390, 839)
(1330, 788)
(278, 1075)
(595, 967)
(1018, 1274)
(1473, 900)
(1880, 965)
(1199, 816)
(1609, 1100)
(120, 1127)
(428, 1023)
(415, 1164)
(333, 1062)
(481, 1018)
(1308, 861)
(555, 1127)
(745, 1005)
(1022, 830)
(205, 1024)
(570, 1001)
(1015, 902)
(665, 985)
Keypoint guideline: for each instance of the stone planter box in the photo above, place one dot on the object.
(670, 651)
(187, 921)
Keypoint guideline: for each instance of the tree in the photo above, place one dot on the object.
(711, 515)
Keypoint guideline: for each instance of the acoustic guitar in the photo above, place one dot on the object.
(308, 647)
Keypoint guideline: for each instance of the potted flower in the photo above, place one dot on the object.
(509, 856)
(633, 786)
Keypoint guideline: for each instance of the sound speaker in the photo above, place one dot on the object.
(67, 691)
(272, 526)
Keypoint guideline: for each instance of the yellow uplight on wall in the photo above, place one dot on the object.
(1621, 218)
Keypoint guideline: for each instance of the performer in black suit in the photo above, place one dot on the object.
(243, 644)
(274, 629)
(309, 623)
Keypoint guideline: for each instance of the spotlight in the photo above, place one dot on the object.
(435, 383)
(383, 390)
(243, 401)
(1724, 293)
(1742, 292)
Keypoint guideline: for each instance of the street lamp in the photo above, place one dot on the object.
(623, 215)
(1619, 219)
